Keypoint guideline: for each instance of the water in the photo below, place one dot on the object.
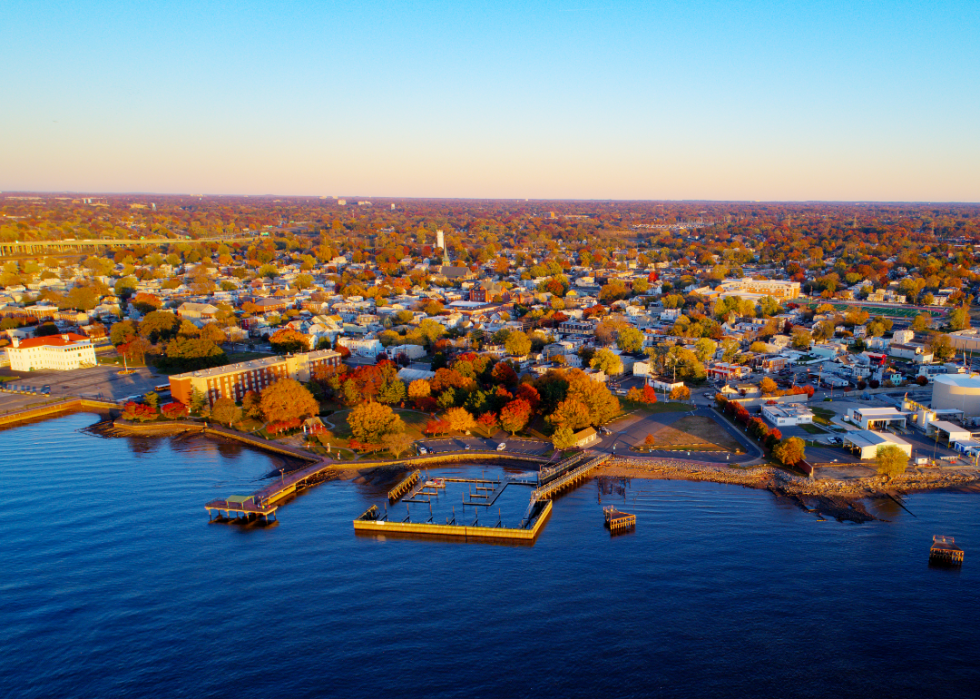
(116, 585)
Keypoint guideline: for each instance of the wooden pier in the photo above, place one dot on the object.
(945, 551)
(618, 521)
(570, 478)
(403, 487)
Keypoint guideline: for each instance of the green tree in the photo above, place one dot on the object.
(705, 348)
(607, 361)
(121, 332)
(959, 318)
(563, 438)
(891, 461)
(159, 325)
(629, 340)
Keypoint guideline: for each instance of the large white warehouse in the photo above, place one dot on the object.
(957, 392)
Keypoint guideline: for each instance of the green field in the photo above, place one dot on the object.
(892, 311)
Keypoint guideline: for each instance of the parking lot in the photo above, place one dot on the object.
(98, 383)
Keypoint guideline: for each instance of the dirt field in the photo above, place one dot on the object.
(694, 431)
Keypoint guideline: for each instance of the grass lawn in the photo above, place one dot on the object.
(658, 407)
(822, 416)
(812, 429)
(694, 431)
(4, 379)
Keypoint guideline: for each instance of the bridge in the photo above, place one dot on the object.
(48, 247)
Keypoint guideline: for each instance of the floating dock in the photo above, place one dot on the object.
(618, 521)
(945, 551)
(375, 522)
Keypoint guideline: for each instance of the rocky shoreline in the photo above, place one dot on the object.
(842, 500)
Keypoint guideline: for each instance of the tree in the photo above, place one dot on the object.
(252, 405)
(680, 393)
(288, 341)
(152, 399)
(921, 322)
(121, 332)
(225, 411)
(602, 404)
(159, 325)
(571, 413)
(790, 451)
(199, 402)
(607, 361)
(767, 386)
(419, 388)
(488, 423)
(517, 344)
(705, 348)
(288, 399)
(563, 438)
(629, 340)
(396, 443)
(801, 338)
(959, 318)
(891, 461)
(370, 422)
(515, 415)
(941, 346)
(460, 419)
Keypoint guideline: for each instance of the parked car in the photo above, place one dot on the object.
(501, 446)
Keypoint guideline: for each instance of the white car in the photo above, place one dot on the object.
(501, 446)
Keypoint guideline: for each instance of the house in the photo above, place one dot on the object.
(585, 437)
(197, 313)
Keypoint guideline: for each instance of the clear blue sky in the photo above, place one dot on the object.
(857, 100)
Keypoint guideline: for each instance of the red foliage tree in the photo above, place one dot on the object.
(174, 410)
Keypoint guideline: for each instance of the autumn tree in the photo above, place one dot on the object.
(571, 413)
(517, 344)
(767, 386)
(288, 399)
(370, 422)
(680, 393)
(288, 341)
(225, 411)
(460, 419)
(397, 443)
(515, 415)
(790, 451)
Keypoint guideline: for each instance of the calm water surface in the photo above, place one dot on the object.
(116, 585)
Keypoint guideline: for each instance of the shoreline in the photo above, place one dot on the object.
(835, 496)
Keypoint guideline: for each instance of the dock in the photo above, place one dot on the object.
(618, 521)
(264, 502)
(403, 487)
(570, 477)
(375, 522)
(945, 551)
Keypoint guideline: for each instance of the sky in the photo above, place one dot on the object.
(572, 99)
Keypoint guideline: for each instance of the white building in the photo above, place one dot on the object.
(59, 352)
(872, 418)
(787, 414)
(866, 444)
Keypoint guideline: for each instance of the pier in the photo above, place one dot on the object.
(618, 521)
(403, 487)
(945, 551)
(570, 477)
